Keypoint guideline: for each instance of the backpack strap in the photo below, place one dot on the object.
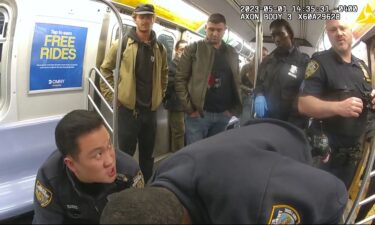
(125, 43)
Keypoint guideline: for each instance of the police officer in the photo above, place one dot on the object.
(280, 76)
(73, 183)
(336, 91)
(236, 177)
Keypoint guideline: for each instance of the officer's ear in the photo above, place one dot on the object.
(69, 162)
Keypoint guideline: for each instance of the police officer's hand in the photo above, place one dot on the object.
(260, 106)
(350, 107)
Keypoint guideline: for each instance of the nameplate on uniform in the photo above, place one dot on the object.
(138, 181)
(284, 214)
(293, 71)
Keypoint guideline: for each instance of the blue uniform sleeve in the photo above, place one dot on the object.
(315, 80)
(47, 209)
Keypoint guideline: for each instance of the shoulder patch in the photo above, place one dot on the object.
(364, 71)
(311, 68)
(42, 194)
(138, 181)
(284, 214)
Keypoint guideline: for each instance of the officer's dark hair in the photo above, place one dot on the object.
(280, 23)
(217, 18)
(149, 205)
(178, 43)
(72, 126)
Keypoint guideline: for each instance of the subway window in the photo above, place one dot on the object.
(168, 42)
(4, 20)
(125, 30)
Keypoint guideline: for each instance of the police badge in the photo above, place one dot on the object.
(311, 68)
(42, 194)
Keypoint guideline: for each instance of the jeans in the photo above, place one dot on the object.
(134, 126)
(198, 128)
(247, 101)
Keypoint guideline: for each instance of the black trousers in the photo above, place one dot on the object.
(134, 126)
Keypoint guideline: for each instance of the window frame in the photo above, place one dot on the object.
(4, 56)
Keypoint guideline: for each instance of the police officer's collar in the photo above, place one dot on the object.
(280, 52)
(337, 57)
(80, 187)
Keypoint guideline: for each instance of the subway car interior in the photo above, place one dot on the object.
(33, 99)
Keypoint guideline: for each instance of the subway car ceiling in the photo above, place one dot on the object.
(308, 33)
(305, 31)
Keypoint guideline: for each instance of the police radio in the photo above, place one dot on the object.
(367, 100)
(318, 141)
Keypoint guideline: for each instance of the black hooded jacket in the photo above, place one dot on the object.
(257, 174)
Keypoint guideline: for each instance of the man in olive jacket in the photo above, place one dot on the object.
(142, 84)
(208, 83)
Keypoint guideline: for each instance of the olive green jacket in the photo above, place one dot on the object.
(193, 72)
(127, 79)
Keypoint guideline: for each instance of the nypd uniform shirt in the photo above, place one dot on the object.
(329, 78)
(59, 198)
(279, 79)
(258, 174)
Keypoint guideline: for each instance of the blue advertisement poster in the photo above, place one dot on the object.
(57, 57)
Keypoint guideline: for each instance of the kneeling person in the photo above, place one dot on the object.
(257, 174)
(73, 183)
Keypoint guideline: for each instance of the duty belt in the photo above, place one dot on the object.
(348, 153)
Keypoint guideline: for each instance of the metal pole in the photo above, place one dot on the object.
(258, 49)
(116, 72)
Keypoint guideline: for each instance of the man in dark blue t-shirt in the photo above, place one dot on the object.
(259, 174)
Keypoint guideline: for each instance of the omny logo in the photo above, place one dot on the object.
(367, 15)
(56, 83)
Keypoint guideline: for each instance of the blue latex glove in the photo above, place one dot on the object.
(260, 106)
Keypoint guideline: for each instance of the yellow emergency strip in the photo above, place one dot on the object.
(166, 13)
(365, 20)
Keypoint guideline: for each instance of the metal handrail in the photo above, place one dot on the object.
(366, 220)
(97, 91)
(367, 200)
(99, 112)
(114, 130)
(103, 78)
(366, 179)
(97, 72)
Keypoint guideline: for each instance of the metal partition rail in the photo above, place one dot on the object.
(360, 200)
(97, 91)
(114, 89)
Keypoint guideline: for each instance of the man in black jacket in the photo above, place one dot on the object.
(172, 103)
(73, 183)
